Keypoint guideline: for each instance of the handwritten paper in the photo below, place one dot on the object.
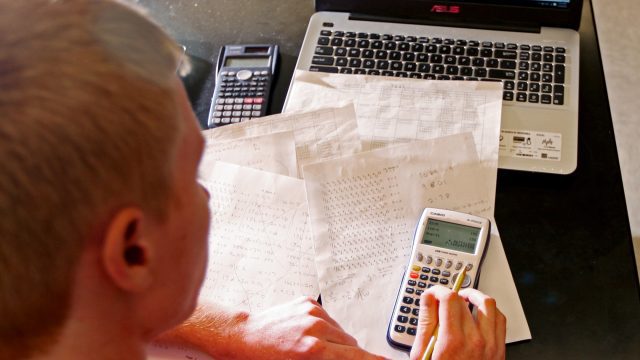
(391, 110)
(271, 152)
(324, 133)
(363, 212)
(260, 246)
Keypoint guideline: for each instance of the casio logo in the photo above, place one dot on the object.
(452, 9)
(435, 213)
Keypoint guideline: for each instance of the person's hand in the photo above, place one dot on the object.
(300, 329)
(461, 336)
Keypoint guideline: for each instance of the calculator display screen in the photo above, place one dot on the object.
(451, 236)
(246, 62)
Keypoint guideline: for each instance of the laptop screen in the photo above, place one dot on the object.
(496, 14)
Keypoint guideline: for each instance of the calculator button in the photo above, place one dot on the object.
(415, 268)
(411, 331)
(426, 270)
(438, 262)
(469, 267)
(219, 107)
(420, 256)
(448, 264)
(429, 259)
(226, 113)
(415, 311)
(246, 113)
(216, 120)
(405, 309)
(257, 107)
(245, 119)
(226, 120)
(399, 328)
(237, 107)
(248, 101)
(217, 114)
(256, 73)
(409, 290)
(413, 321)
(246, 107)
(466, 282)
(237, 113)
(417, 303)
(407, 300)
(446, 273)
(220, 101)
(411, 283)
(235, 120)
(444, 281)
(419, 292)
(258, 100)
(238, 100)
(435, 272)
(413, 275)
(458, 265)
(434, 279)
(422, 285)
(255, 113)
(424, 277)
(402, 319)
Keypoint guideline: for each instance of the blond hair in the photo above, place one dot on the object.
(88, 123)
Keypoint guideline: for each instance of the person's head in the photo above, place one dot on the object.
(99, 153)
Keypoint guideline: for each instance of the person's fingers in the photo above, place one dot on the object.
(501, 334)
(326, 331)
(486, 319)
(313, 308)
(343, 352)
(449, 310)
(428, 318)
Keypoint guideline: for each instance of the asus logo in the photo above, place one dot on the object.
(453, 9)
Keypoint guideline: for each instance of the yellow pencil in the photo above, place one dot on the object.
(432, 342)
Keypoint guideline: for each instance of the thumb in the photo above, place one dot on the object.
(427, 321)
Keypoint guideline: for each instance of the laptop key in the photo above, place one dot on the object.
(367, 54)
(507, 64)
(409, 66)
(336, 41)
(558, 71)
(480, 72)
(363, 44)
(492, 63)
(381, 54)
(509, 85)
(350, 43)
(450, 60)
(478, 62)
(444, 49)
(415, 76)
(368, 64)
(374, 36)
(382, 65)
(342, 61)
(452, 70)
(417, 47)
(506, 54)
(395, 55)
(341, 52)
(534, 98)
(466, 71)
(323, 40)
(545, 99)
(558, 94)
(327, 69)
(322, 60)
(396, 66)
(324, 50)
(363, 35)
(376, 45)
(401, 74)
(360, 71)
(458, 50)
(521, 97)
(408, 56)
(472, 51)
(404, 46)
(353, 52)
(560, 58)
(502, 74)
(561, 50)
(424, 68)
(350, 34)
(390, 45)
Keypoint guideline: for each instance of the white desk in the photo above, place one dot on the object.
(618, 28)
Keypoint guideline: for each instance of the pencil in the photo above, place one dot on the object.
(432, 342)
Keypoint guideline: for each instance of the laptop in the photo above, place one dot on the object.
(531, 46)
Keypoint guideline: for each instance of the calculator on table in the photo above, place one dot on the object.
(444, 243)
(244, 76)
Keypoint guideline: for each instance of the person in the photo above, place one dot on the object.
(103, 233)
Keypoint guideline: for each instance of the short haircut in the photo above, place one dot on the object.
(88, 124)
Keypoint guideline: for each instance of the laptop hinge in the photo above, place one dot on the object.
(529, 28)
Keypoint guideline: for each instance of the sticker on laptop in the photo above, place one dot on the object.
(526, 144)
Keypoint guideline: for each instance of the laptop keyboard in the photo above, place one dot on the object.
(529, 73)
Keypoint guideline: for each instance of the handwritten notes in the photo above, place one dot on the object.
(260, 246)
(363, 211)
(401, 110)
(321, 134)
(271, 152)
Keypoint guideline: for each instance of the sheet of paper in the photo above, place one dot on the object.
(272, 152)
(364, 209)
(391, 110)
(260, 245)
(325, 133)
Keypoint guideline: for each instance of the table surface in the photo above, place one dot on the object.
(567, 238)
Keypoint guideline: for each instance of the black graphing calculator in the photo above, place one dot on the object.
(245, 74)
(445, 241)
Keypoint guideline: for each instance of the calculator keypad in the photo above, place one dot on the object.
(440, 271)
(239, 96)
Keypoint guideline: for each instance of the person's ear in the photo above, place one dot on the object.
(126, 251)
